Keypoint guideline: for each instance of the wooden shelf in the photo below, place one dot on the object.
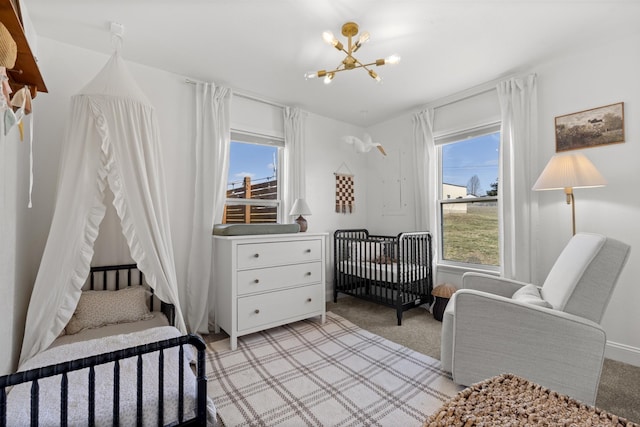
(26, 71)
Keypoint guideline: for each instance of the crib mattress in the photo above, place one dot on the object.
(384, 272)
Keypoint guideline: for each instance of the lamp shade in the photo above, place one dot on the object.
(569, 171)
(300, 207)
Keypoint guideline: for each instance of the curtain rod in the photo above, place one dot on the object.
(471, 92)
(244, 95)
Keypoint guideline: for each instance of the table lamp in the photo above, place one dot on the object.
(300, 208)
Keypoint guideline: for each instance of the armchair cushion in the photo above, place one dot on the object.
(531, 295)
(561, 281)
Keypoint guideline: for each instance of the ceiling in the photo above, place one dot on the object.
(264, 47)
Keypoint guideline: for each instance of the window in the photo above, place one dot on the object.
(468, 199)
(253, 190)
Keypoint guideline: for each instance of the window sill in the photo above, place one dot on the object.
(459, 269)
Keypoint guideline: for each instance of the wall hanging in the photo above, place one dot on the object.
(345, 192)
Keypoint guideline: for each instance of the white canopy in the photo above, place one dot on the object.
(112, 141)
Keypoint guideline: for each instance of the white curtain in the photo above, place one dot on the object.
(518, 104)
(294, 176)
(112, 141)
(425, 176)
(211, 165)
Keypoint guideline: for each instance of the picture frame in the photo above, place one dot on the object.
(590, 128)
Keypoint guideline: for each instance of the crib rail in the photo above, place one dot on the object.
(392, 270)
(62, 369)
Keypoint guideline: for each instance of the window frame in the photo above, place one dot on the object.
(452, 138)
(243, 137)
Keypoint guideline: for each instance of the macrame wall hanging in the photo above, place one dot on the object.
(345, 192)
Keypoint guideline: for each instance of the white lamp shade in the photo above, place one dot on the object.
(569, 171)
(300, 207)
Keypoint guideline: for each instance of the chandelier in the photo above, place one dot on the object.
(350, 30)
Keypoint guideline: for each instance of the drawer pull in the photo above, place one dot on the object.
(256, 256)
(308, 273)
(256, 311)
(308, 251)
(308, 299)
(256, 281)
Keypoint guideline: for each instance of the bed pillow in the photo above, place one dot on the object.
(100, 308)
(530, 294)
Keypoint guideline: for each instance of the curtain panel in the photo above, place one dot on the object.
(425, 176)
(518, 104)
(294, 177)
(211, 166)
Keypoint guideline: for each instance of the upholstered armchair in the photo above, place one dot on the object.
(549, 335)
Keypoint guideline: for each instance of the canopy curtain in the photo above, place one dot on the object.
(425, 175)
(211, 166)
(294, 177)
(112, 140)
(518, 104)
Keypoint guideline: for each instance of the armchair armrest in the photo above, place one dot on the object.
(491, 284)
(494, 335)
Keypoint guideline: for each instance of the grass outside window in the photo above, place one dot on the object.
(470, 232)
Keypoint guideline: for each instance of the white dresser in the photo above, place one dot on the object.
(262, 281)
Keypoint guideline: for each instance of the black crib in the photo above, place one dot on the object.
(110, 278)
(62, 369)
(395, 271)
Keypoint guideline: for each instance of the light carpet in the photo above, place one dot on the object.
(332, 374)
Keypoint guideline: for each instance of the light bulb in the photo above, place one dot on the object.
(310, 75)
(375, 76)
(328, 78)
(364, 37)
(328, 37)
(393, 59)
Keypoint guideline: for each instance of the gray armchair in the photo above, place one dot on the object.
(549, 335)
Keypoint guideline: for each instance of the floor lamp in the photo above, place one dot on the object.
(566, 172)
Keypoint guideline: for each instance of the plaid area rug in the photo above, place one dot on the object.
(332, 374)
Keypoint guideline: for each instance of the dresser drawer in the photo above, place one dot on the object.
(253, 255)
(264, 309)
(273, 278)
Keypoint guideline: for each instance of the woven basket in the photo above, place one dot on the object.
(8, 48)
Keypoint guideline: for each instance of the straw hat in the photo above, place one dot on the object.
(8, 48)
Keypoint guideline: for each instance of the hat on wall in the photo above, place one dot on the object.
(8, 48)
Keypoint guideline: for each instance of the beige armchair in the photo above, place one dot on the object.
(549, 335)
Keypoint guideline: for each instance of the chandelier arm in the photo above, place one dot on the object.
(365, 66)
(337, 70)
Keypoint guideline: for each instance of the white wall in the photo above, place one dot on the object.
(14, 272)
(569, 84)
(574, 83)
(325, 154)
(390, 179)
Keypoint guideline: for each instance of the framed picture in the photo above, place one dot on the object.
(590, 128)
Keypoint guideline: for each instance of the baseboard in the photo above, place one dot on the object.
(622, 353)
